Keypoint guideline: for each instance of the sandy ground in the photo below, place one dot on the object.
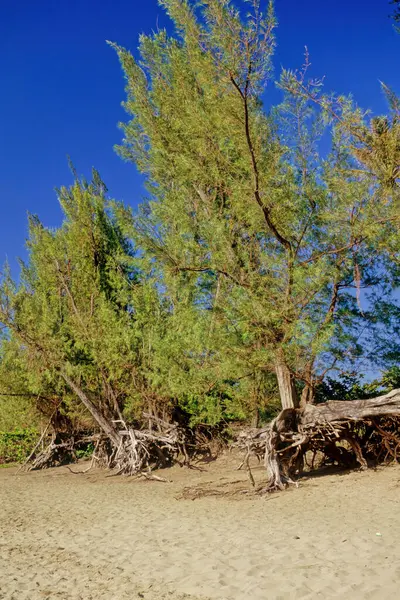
(88, 537)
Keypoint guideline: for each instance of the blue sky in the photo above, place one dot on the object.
(62, 87)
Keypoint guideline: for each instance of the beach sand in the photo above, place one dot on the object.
(92, 537)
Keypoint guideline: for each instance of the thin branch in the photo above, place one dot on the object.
(215, 270)
(266, 211)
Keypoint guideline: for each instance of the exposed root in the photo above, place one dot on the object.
(137, 453)
(229, 489)
(349, 434)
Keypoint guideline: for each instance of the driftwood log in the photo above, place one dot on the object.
(348, 433)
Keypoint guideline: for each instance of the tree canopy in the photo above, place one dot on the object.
(264, 259)
(245, 204)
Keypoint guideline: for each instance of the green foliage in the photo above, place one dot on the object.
(257, 260)
(390, 379)
(85, 452)
(18, 406)
(16, 445)
(84, 309)
(350, 386)
(346, 387)
(214, 407)
(265, 245)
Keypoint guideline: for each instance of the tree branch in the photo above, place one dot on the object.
(266, 211)
(213, 269)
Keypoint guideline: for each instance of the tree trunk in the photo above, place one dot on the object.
(104, 423)
(335, 411)
(286, 384)
(307, 395)
(255, 420)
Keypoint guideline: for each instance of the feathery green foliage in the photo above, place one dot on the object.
(247, 217)
(84, 309)
(260, 262)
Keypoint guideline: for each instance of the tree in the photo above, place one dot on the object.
(82, 320)
(246, 214)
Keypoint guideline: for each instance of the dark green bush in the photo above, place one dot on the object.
(16, 445)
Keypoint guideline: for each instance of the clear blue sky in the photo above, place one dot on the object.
(61, 87)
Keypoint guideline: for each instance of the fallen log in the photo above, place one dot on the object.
(351, 410)
(347, 433)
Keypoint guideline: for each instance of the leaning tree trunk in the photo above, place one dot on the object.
(107, 426)
(122, 448)
(351, 410)
(307, 395)
(125, 450)
(286, 383)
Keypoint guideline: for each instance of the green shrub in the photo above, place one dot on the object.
(86, 451)
(16, 445)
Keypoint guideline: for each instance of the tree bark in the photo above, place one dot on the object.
(104, 423)
(307, 395)
(255, 420)
(287, 389)
(351, 410)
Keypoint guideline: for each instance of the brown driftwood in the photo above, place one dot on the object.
(351, 410)
(130, 450)
(136, 453)
(348, 433)
(140, 448)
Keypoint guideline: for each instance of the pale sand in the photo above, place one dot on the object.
(88, 537)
